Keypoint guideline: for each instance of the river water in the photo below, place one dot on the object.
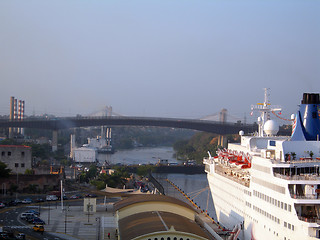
(195, 185)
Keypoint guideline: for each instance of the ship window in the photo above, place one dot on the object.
(272, 143)
(285, 224)
(285, 206)
(292, 227)
(282, 205)
(289, 208)
(289, 225)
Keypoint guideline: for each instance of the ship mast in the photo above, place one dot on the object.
(264, 108)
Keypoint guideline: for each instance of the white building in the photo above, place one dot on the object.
(85, 154)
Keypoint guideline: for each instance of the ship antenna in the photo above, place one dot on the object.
(264, 108)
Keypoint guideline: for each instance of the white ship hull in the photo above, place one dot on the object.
(268, 187)
(261, 212)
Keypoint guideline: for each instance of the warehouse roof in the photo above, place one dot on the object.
(143, 198)
(150, 222)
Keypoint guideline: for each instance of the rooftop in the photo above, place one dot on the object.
(156, 221)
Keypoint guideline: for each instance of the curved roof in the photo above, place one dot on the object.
(156, 222)
(149, 198)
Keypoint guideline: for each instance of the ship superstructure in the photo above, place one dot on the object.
(267, 186)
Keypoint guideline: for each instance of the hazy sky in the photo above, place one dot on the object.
(158, 58)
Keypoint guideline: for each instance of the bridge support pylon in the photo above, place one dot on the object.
(54, 143)
(222, 140)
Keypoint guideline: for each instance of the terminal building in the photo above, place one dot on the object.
(157, 217)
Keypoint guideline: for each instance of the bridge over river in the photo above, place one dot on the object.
(75, 122)
(55, 124)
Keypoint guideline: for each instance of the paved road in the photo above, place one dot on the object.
(10, 220)
(61, 224)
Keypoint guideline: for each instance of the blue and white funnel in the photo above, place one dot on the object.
(307, 123)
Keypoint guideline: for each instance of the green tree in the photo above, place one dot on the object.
(98, 184)
(143, 170)
(29, 172)
(13, 188)
(4, 171)
(33, 188)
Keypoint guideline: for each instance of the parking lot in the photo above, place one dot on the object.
(69, 222)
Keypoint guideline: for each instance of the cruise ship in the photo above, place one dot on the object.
(268, 186)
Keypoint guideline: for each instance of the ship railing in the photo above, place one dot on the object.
(306, 196)
(237, 178)
(301, 160)
(311, 177)
(309, 219)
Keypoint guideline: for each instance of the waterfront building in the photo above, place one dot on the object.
(156, 217)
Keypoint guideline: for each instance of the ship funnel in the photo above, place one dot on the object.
(307, 123)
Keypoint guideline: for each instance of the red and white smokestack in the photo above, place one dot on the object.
(15, 109)
(19, 109)
(21, 114)
(11, 116)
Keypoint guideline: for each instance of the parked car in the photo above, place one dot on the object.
(4, 235)
(29, 219)
(37, 221)
(12, 203)
(27, 200)
(24, 216)
(51, 198)
(76, 196)
(20, 236)
(18, 201)
(36, 213)
(91, 195)
(39, 200)
(38, 228)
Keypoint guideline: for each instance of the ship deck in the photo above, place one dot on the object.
(233, 173)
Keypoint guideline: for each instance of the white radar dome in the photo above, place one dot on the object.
(271, 127)
(241, 133)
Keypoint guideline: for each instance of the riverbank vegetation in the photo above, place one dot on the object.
(197, 147)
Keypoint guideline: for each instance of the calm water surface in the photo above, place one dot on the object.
(195, 185)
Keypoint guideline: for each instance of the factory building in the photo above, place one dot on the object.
(85, 155)
(18, 158)
(91, 152)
